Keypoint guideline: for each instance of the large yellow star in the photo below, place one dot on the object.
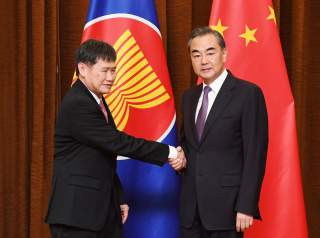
(219, 27)
(272, 16)
(249, 35)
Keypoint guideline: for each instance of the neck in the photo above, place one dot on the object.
(99, 95)
(211, 80)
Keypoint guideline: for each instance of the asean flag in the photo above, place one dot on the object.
(254, 53)
(142, 104)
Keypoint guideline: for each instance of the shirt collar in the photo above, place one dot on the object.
(93, 94)
(217, 83)
(95, 97)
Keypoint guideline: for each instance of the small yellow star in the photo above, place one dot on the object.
(272, 16)
(219, 27)
(249, 35)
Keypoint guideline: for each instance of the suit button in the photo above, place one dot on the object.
(200, 174)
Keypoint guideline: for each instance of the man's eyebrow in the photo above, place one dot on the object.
(210, 48)
(106, 67)
(198, 51)
(195, 51)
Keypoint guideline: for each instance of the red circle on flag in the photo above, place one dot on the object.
(152, 122)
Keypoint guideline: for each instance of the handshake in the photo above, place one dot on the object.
(180, 162)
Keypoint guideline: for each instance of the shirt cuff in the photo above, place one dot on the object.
(173, 153)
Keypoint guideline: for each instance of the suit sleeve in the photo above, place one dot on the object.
(120, 192)
(182, 137)
(255, 144)
(88, 126)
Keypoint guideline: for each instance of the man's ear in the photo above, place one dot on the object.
(83, 69)
(225, 54)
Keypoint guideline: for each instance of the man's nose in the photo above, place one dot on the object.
(204, 59)
(110, 76)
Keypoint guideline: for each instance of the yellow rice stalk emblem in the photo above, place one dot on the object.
(136, 84)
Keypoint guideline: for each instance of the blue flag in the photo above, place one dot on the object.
(142, 104)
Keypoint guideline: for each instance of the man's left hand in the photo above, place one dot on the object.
(243, 222)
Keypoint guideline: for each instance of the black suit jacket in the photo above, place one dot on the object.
(225, 169)
(85, 184)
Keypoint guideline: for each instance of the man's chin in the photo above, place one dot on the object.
(106, 90)
(206, 76)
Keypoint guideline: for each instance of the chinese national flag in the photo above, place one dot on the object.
(254, 54)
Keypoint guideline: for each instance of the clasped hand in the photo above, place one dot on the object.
(180, 162)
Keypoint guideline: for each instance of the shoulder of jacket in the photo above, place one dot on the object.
(250, 86)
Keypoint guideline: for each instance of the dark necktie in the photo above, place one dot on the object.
(201, 119)
(103, 109)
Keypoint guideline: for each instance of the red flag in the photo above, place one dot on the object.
(254, 54)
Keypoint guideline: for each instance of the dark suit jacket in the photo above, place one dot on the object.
(85, 184)
(225, 169)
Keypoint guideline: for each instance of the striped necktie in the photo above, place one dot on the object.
(104, 110)
(201, 119)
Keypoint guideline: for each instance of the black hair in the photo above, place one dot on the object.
(91, 50)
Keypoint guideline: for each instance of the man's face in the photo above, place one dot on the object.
(207, 57)
(98, 77)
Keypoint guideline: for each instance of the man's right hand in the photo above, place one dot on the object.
(243, 221)
(180, 162)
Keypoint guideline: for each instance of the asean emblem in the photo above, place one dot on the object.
(136, 84)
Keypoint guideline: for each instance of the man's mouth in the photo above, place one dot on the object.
(109, 85)
(206, 69)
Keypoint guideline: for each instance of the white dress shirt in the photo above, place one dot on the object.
(215, 88)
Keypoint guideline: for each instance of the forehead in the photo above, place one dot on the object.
(104, 64)
(204, 42)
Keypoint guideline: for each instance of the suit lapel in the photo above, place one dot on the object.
(194, 98)
(110, 118)
(80, 86)
(223, 98)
